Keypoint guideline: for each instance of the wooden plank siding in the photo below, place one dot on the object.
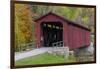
(78, 37)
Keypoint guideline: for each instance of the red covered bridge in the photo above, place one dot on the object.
(52, 28)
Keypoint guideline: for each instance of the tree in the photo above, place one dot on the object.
(23, 24)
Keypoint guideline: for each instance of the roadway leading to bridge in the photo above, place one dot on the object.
(22, 55)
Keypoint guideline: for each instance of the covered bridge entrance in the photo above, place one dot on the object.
(51, 33)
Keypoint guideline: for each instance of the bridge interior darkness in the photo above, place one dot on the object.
(51, 32)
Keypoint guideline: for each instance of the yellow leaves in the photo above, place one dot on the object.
(23, 23)
(85, 20)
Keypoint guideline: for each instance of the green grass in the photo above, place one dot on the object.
(44, 59)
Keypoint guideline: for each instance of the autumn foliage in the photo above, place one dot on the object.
(24, 31)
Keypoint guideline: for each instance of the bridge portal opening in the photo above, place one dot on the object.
(51, 32)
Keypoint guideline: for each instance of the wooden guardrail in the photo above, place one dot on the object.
(58, 44)
(25, 46)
